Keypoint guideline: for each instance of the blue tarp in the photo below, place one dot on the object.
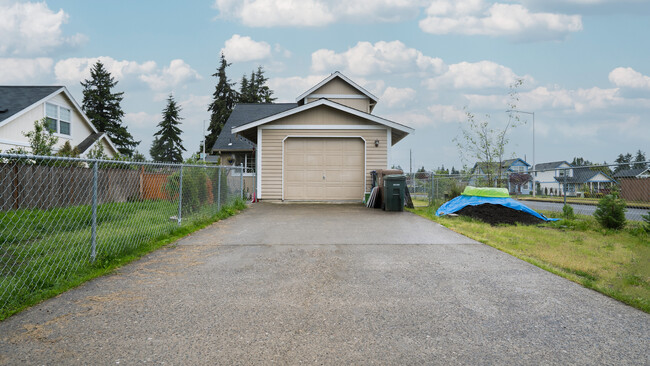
(459, 202)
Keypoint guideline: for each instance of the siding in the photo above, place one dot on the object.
(337, 86)
(359, 104)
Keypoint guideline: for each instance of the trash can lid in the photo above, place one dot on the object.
(395, 177)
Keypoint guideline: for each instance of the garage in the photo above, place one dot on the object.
(324, 169)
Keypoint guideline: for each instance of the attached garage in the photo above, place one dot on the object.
(319, 149)
(329, 168)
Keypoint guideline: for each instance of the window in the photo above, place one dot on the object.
(58, 119)
(519, 169)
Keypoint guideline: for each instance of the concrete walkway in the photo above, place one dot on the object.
(328, 284)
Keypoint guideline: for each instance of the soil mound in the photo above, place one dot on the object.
(497, 214)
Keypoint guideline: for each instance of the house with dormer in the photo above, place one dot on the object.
(320, 148)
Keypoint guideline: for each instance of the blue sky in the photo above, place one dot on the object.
(585, 63)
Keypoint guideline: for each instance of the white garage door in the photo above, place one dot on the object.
(323, 168)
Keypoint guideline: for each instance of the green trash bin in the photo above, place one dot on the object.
(394, 192)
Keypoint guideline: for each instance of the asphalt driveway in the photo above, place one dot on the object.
(328, 284)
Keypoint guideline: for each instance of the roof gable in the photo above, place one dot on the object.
(324, 102)
(333, 76)
(16, 100)
(552, 165)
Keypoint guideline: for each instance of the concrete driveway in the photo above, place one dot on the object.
(328, 284)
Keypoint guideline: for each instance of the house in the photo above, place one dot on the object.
(584, 180)
(321, 148)
(635, 184)
(513, 173)
(546, 174)
(20, 106)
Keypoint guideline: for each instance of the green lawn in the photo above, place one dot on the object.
(45, 252)
(615, 263)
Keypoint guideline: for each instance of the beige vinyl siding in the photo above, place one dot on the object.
(272, 141)
(320, 116)
(337, 86)
(358, 104)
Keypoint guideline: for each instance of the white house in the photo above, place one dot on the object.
(20, 106)
(546, 174)
(554, 176)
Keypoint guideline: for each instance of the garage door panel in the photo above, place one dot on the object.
(340, 160)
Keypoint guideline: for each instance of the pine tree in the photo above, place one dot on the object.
(639, 160)
(103, 108)
(264, 93)
(224, 98)
(167, 145)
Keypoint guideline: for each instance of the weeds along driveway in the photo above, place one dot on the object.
(328, 284)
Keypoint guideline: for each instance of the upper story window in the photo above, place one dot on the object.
(58, 119)
(519, 169)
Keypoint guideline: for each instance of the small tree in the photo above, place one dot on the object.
(68, 151)
(482, 142)
(41, 139)
(167, 145)
(610, 212)
(97, 152)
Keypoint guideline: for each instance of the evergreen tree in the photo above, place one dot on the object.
(224, 98)
(639, 160)
(255, 90)
(623, 161)
(264, 93)
(167, 145)
(102, 107)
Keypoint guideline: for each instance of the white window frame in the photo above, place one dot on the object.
(57, 133)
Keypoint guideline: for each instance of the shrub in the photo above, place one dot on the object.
(194, 188)
(567, 212)
(455, 189)
(610, 212)
(646, 218)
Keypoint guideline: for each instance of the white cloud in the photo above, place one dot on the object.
(14, 70)
(28, 28)
(272, 13)
(74, 70)
(412, 119)
(627, 77)
(397, 96)
(142, 120)
(578, 101)
(316, 13)
(287, 89)
(176, 74)
(366, 58)
(446, 113)
(477, 17)
(476, 75)
(242, 49)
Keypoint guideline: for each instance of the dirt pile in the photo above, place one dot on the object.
(497, 214)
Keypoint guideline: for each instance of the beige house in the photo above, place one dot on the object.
(321, 148)
(20, 106)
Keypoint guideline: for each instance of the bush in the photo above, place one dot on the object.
(646, 218)
(195, 188)
(567, 212)
(610, 212)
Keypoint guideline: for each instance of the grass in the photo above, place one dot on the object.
(46, 252)
(615, 263)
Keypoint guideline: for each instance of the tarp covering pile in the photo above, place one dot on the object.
(474, 196)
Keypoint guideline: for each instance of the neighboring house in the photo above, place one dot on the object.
(546, 174)
(582, 180)
(482, 172)
(321, 148)
(20, 106)
(635, 184)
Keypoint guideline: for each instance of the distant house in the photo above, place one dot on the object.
(20, 106)
(546, 174)
(483, 173)
(584, 179)
(635, 184)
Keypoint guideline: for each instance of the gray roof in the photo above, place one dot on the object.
(629, 173)
(582, 175)
(551, 165)
(89, 141)
(242, 114)
(14, 99)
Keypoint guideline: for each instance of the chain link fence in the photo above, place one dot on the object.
(58, 215)
(579, 187)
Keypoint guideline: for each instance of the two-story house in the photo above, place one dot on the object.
(512, 173)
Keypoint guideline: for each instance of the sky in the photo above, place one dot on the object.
(585, 64)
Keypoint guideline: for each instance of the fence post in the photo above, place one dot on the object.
(180, 196)
(219, 189)
(241, 180)
(564, 188)
(93, 235)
